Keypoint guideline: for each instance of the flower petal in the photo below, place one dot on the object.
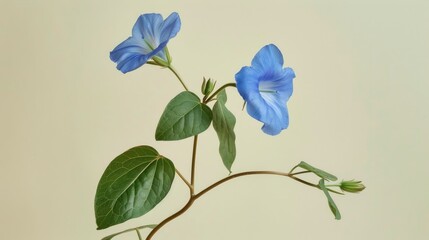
(247, 83)
(248, 86)
(170, 27)
(258, 109)
(148, 27)
(130, 54)
(277, 110)
(281, 83)
(268, 60)
(268, 109)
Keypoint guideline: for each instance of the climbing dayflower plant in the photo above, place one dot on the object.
(137, 180)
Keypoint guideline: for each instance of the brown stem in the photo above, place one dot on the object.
(230, 177)
(194, 157)
(175, 215)
(194, 197)
(290, 175)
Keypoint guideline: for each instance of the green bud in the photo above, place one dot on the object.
(352, 186)
(208, 86)
(203, 86)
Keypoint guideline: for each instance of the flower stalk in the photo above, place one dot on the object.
(172, 69)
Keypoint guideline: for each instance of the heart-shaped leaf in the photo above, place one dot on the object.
(223, 123)
(184, 116)
(132, 185)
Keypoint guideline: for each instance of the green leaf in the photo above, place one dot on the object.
(331, 202)
(128, 230)
(223, 123)
(318, 172)
(132, 185)
(184, 116)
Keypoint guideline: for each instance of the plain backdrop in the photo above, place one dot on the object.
(360, 110)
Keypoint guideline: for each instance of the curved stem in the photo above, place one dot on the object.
(218, 91)
(230, 177)
(178, 76)
(191, 192)
(175, 215)
(194, 197)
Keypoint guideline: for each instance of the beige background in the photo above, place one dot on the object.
(359, 110)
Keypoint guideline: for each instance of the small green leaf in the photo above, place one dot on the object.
(318, 172)
(331, 202)
(184, 116)
(128, 230)
(223, 123)
(132, 185)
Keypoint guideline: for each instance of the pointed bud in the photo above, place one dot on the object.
(203, 86)
(208, 86)
(352, 186)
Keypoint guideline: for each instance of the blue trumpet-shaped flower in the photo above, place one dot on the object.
(266, 87)
(149, 39)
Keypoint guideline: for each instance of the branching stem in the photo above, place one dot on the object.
(230, 177)
(184, 179)
(194, 197)
(191, 184)
(218, 91)
(175, 215)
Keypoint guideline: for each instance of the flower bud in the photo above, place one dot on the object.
(352, 186)
(208, 86)
(203, 86)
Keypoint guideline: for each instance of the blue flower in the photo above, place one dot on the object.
(149, 38)
(266, 87)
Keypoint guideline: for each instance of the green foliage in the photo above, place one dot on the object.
(223, 123)
(331, 202)
(184, 116)
(128, 230)
(318, 172)
(132, 185)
